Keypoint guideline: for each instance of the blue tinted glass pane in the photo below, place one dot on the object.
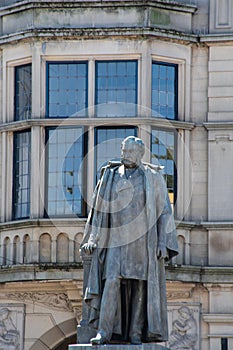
(164, 90)
(163, 153)
(116, 84)
(112, 68)
(64, 158)
(108, 144)
(23, 92)
(22, 169)
(67, 85)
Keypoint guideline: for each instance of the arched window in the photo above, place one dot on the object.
(45, 248)
(77, 241)
(62, 248)
(26, 249)
(16, 250)
(6, 252)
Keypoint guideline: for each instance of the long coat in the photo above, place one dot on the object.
(161, 228)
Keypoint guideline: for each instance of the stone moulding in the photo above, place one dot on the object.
(12, 126)
(54, 300)
(99, 33)
(21, 5)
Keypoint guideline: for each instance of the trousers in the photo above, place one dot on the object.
(108, 307)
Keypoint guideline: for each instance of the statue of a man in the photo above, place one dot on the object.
(130, 232)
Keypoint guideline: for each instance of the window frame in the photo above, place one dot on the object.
(14, 191)
(115, 60)
(175, 165)
(16, 67)
(176, 87)
(90, 121)
(83, 212)
(47, 64)
(111, 127)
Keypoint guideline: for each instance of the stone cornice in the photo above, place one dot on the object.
(41, 272)
(70, 222)
(199, 274)
(216, 39)
(159, 122)
(99, 33)
(52, 272)
(186, 225)
(218, 225)
(80, 222)
(219, 126)
(218, 318)
(54, 4)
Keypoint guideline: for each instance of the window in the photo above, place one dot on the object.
(23, 92)
(224, 344)
(115, 94)
(67, 89)
(65, 152)
(116, 88)
(21, 176)
(163, 154)
(108, 144)
(164, 97)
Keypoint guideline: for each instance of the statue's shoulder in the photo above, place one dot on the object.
(114, 163)
(155, 168)
(110, 165)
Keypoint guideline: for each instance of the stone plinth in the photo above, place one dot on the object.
(151, 346)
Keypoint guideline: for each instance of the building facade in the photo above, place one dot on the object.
(76, 78)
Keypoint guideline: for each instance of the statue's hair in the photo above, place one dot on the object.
(137, 141)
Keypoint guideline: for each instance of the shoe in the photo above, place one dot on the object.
(100, 339)
(136, 340)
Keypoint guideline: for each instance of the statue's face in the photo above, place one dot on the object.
(130, 155)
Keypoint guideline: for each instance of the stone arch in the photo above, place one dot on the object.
(58, 337)
(26, 249)
(7, 251)
(16, 250)
(77, 240)
(62, 248)
(45, 248)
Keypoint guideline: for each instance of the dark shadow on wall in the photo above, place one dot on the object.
(66, 342)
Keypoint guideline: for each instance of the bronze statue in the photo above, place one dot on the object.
(130, 232)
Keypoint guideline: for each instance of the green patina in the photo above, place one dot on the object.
(159, 17)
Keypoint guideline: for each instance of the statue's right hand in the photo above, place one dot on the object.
(88, 248)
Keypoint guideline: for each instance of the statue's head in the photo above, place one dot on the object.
(132, 151)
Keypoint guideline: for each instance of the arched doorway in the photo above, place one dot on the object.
(66, 342)
(59, 337)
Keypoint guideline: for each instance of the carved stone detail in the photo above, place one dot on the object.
(184, 327)
(178, 290)
(54, 300)
(178, 295)
(11, 326)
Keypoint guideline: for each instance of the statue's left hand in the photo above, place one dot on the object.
(89, 247)
(162, 251)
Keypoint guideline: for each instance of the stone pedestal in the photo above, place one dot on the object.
(150, 346)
